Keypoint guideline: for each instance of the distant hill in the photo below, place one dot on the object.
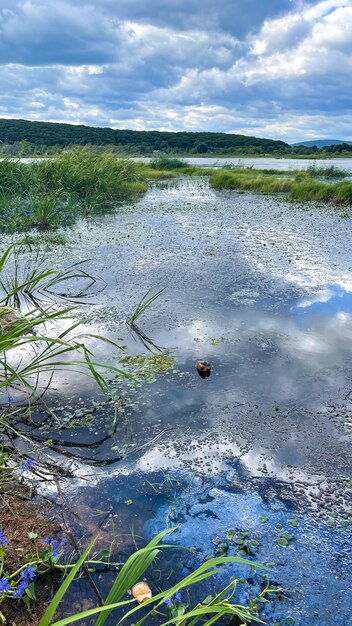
(46, 134)
(321, 143)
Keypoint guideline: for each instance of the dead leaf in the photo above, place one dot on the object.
(141, 592)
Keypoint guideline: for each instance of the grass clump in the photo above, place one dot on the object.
(164, 162)
(300, 188)
(327, 171)
(94, 181)
(246, 180)
(50, 193)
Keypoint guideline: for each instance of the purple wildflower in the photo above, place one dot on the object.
(3, 540)
(178, 596)
(4, 585)
(10, 398)
(168, 602)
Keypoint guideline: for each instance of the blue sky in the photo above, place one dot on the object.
(271, 68)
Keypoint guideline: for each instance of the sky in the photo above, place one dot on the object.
(270, 68)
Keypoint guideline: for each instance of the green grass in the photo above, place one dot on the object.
(49, 193)
(211, 610)
(299, 188)
(164, 162)
(327, 171)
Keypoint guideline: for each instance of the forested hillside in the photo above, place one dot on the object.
(44, 134)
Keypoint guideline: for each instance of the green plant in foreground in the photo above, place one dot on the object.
(176, 612)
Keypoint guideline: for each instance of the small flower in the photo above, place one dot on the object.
(3, 540)
(55, 544)
(178, 596)
(10, 398)
(18, 593)
(28, 573)
(168, 602)
(4, 585)
(47, 540)
(27, 463)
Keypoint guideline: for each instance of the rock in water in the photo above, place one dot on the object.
(203, 369)
(141, 592)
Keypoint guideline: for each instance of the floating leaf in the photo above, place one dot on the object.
(331, 522)
(293, 521)
(128, 502)
(263, 519)
(282, 541)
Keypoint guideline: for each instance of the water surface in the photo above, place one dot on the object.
(262, 289)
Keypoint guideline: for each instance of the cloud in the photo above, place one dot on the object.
(278, 68)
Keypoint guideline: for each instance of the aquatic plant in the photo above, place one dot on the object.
(164, 162)
(27, 351)
(145, 303)
(327, 171)
(52, 192)
(26, 280)
(298, 188)
(210, 610)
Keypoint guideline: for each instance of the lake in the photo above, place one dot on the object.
(262, 290)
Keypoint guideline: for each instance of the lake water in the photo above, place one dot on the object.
(266, 163)
(262, 289)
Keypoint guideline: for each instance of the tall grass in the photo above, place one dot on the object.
(92, 179)
(47, 193)
(164, 162)
(327, 171)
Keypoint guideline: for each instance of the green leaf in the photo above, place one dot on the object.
(105, 553)
(128, 502)
(281, 541)
(293, 521)
(50, 611)
(32, 536)
(263, 519)
(331, 522)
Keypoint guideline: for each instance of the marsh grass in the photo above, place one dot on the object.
(327, 171)
(164, 162)
(145, 303)
(48, 193)
(299, 188)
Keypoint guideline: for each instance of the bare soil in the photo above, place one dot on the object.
(19, 515)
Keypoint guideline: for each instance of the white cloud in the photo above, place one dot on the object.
(285, 75)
